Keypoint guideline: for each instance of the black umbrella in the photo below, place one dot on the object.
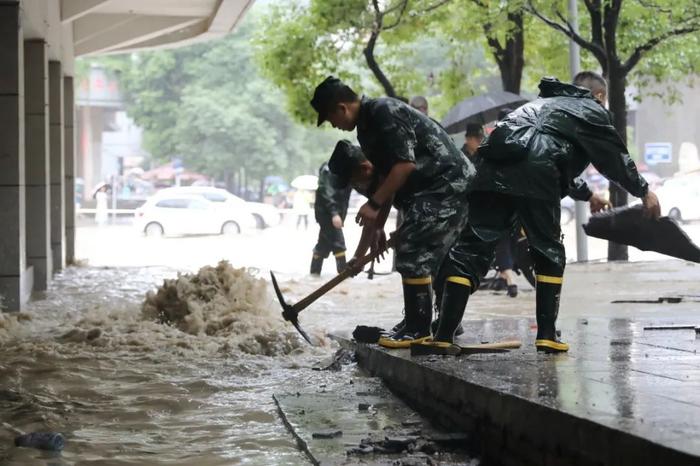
(480, 109)
(627, 225)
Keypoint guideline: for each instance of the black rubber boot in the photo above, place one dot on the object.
(434, 326)
(340, 262)
(454, 301)
(316, 264)
(547, 301)
(438, 305)
(418, 305)
(398, 327)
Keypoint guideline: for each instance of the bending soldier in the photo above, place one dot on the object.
(421, 171)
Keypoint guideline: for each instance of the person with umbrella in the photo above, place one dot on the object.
(525, 166)
(424, 174)
(472, 138)
(330, 209)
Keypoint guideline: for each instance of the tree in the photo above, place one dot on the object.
(621, 34)
(300, 45)
(209, 105)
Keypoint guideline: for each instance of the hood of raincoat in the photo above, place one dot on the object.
(552, 87)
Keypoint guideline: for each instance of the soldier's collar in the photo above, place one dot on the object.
(364, 112)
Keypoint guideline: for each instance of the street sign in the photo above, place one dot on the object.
(658, 152)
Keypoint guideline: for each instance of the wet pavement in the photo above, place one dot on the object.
(622, 395)
(351, 419)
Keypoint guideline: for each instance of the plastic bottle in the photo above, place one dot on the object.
(52, 441)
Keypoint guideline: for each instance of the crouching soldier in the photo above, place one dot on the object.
(418, 168)
(526, 165)
(330, 209)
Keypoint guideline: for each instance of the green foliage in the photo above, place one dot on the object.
(209, 105)
(673, 59)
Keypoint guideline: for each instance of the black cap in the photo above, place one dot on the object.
(345, 157)
(474, 130)
(325, 96)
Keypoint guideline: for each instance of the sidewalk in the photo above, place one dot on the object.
(623, 395)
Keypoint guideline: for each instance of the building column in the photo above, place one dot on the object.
(38, 219)
(69, 166)
(14, 279)
(58, 214)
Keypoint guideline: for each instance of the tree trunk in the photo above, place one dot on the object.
(374, 66)
(618, 107)
(512, 59)
(228, 181)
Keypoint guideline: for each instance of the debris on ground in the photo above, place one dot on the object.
(341, 358)
(365, 334)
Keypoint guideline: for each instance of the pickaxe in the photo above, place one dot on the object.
(291, 312)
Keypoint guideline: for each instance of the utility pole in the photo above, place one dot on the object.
(580, 206)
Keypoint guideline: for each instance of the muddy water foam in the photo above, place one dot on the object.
(185, 377)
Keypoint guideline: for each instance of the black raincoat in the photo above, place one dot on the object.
(540, 149)
(527, 164)
(330, 201)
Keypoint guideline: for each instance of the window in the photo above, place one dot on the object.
(197, 204)
(214, 197)
(173, 203)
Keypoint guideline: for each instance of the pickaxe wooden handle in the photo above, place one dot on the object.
(291, 312)
(335, 281)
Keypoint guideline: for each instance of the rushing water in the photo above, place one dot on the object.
(124, 389)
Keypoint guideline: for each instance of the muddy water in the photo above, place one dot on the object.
(125, 390)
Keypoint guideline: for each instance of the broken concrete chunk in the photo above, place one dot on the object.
(328, 434)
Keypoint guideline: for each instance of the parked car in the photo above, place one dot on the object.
(265, 215)
(181, 214)
(680, 197)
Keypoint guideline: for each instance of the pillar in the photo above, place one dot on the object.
(38, 219)
(14, 279)
(69, 165)
(58, 214)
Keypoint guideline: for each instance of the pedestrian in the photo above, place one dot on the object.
(330, 209)
(301, 205)
(101, 206)
(472, 138)
(420, 171)
(527, 164)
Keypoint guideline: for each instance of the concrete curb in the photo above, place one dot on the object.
(507, 429)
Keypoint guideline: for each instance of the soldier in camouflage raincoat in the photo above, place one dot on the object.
(526, 165)
(418, 168)
(330, 209)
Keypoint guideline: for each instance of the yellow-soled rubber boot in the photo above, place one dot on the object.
(400, 343)
(455, 296)
(551, 346)
(547, 302)
(418, 306)
(432, 347)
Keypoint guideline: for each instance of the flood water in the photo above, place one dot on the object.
(124, 390)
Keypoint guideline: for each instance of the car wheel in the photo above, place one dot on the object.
(675, 214)
(230, 228)
(153, 229)
(259, 222)
(566, 215)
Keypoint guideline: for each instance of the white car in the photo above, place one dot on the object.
(680, 197)
(264, 215)
(188, 215)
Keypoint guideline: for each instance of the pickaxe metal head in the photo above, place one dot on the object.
(288, 311)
